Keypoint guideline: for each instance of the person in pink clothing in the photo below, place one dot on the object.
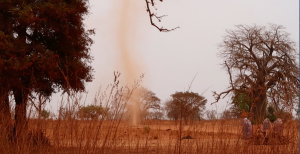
(247, 129)
(278, 127)
(267, 125)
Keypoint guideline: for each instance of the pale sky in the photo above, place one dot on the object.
(171, 60)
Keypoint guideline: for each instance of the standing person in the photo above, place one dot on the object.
(278, 127)
(247, 129)
(267, 125)
(267, 128)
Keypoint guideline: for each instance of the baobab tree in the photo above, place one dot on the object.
(261, 62)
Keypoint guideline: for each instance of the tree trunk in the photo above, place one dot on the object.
(5, 115)
(4, 106)
(260, 109)
(20, 127)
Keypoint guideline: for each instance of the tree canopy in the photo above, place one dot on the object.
(44, 48)
(262, 62)
(146, 101)
(91, 112)
(185, 105)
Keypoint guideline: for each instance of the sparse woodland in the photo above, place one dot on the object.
(45, 49)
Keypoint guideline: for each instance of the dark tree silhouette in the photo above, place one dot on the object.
(261, 62)
(5, 114)
(44, 48)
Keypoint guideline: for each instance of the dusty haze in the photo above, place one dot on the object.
(130, 62)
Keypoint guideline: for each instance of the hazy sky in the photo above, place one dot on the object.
(171, 60)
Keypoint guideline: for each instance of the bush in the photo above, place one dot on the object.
(45, 114)
(146, 129)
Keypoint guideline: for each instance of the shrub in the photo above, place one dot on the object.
(146, 129)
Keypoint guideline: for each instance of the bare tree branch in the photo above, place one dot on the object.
(151, 15)
(192, 82)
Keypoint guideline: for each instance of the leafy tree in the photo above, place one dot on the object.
(146, 100)
(44, 48)
(260, 59)
(157, 115)
(172, 110)
(91, 112)
(185, 105)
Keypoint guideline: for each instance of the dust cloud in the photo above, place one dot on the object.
(130, 62)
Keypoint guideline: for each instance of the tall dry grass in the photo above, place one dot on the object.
(154, 136)
(113, 133)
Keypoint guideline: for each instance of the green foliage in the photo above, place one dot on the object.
(271, 110)
(241, 101)
(272, 118)
(271, 113)
(45, 114)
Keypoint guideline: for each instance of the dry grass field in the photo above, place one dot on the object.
(153, 136)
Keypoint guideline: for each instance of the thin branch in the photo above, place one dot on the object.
(229, 72)
(151, 15)
(218, 96)
(206, 90)
(192, 82)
